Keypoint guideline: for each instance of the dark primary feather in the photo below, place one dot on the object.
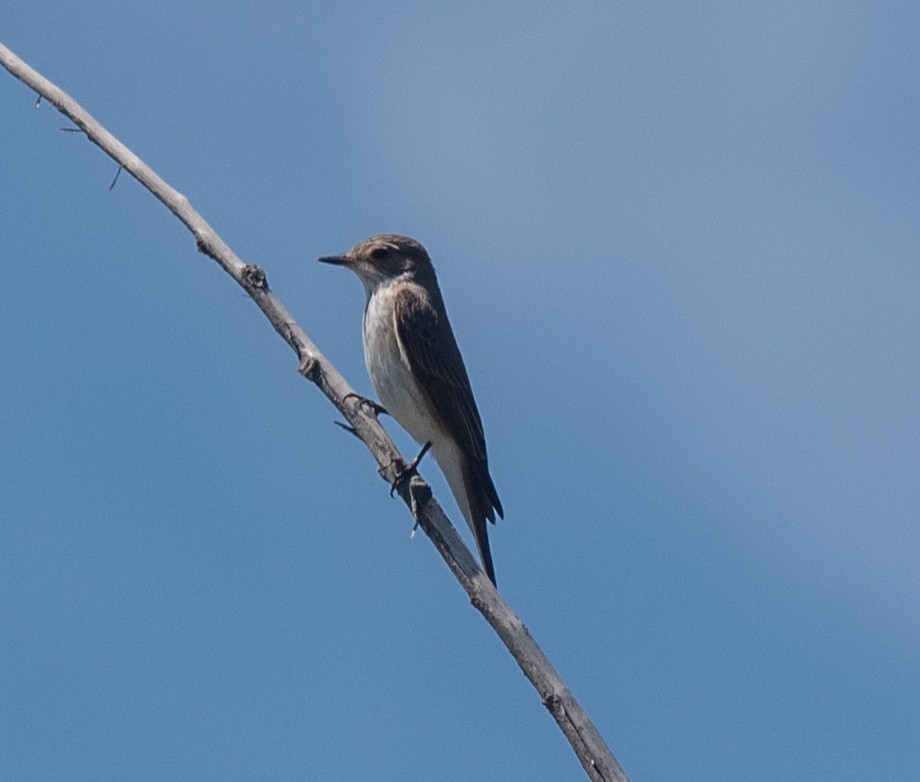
(432, 351)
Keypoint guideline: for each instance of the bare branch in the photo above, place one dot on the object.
(587, 742)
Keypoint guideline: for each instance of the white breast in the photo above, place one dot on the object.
(400, 394)
(389, 370)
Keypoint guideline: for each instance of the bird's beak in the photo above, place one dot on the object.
(338, 260)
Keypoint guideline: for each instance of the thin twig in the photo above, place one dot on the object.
(584, 737)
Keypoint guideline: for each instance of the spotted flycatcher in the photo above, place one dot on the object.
(418, 372)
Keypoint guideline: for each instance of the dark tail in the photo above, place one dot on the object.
(485, 552)
(486, 498)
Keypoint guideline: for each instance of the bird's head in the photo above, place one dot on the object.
(385, 258)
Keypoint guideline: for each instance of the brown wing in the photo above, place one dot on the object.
(432, 351)
(433, 354)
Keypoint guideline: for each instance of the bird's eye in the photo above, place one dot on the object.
(379, 253)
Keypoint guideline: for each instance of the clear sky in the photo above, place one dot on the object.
(679, 246)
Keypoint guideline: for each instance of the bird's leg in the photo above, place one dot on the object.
(415, 462)
(410, 469)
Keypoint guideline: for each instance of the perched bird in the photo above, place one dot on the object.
(417, 371)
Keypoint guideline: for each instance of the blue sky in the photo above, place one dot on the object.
(679, 247)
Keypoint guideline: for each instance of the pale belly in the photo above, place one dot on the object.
(401, 396)
(395, 386)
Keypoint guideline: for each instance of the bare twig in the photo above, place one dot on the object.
(587, 742)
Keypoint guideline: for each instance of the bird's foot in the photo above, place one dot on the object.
(408, 470)
(365, 402)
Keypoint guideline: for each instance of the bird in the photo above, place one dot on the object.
(418, 373)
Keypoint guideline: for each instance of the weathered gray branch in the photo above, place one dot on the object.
(587, 742)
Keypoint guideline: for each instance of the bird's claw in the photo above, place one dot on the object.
(365, 402)
(408, 470)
